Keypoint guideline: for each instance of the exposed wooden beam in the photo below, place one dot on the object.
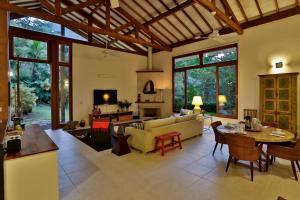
(47, 5)
(57, 7)
(162, 25)
(107, 15)
(151, 16)
(140, 26)
(170, 12)
(277, 6)
(190, 18)
(266, 19)
(210, 6)
(122, 27)
(202, 17)
(76, 25)
(242, 9)
(79, 6)
(230, 11)
(258, 8)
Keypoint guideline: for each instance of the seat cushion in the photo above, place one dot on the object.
(158, 122)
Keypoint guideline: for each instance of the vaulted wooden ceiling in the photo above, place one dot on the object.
(161, 24)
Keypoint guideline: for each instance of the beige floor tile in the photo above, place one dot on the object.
(188, 174)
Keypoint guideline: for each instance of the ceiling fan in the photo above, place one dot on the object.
(114, 3)
(214, 35)
(108, 52)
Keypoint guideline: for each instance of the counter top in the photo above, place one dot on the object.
(34, 141)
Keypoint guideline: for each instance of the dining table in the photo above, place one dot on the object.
(265, 135)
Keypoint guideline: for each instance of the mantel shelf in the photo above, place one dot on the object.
(149, 102)
(154, 71)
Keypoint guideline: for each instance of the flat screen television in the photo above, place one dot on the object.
(105, 97)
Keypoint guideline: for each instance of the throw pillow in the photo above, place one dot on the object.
(138, 125)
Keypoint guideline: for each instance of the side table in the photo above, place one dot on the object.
(120, 145)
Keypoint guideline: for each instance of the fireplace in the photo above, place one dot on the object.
(151, 112)
(150, 109)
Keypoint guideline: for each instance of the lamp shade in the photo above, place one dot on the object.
(197, 101)
(222, 99)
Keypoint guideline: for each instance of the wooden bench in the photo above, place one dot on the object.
(163, 138)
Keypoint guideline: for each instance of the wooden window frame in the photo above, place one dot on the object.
(53, 42)
(202, 65)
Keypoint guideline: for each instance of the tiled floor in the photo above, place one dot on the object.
(190, 173)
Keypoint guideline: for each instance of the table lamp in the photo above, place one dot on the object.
(222, 100)
(197, 102)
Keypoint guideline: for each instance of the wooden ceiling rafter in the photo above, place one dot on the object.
(189, 17)
(139, 15)
(144, 28)
(210, 6)
(203, 18)
(266, 19)
(258, 8)
(276, 5)
(179, 20)
(131, 45)
(76, 25)
(79, 6)
(160, 24)
(48, 5)
(169, 12)
(242, 10)
(151, 16)
(229, 10)
(216, 17)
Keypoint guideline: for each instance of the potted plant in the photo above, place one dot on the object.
(127, 104)
(121, 104)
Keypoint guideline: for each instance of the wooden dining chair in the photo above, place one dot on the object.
(219, 137)
(291, 153)
(250, 112)
(243, 148)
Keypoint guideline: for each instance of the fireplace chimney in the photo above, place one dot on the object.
(150, 64)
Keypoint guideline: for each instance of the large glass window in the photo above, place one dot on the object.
(187, 61)
(202, 82)
(39, 25)
(30, 49)
(214, 79)
(220, 56)
(179, 90)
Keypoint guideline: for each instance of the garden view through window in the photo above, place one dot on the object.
(211, 74)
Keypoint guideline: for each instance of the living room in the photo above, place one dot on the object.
(263, 39)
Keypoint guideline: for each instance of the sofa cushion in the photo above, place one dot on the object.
(185, 112)
(185, 118)
(159, 122)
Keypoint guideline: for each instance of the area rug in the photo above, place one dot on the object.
(87, 140)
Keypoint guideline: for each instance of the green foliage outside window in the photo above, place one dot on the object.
(188, 61)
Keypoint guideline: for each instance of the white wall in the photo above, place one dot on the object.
(258, 48)
(92, 70)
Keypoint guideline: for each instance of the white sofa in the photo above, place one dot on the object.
(144, 140)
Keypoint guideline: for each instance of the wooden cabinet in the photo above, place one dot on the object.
(112, 117)
(278, 100)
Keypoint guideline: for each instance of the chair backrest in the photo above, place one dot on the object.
(250, 112)
(219, 137)
(242, 147)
